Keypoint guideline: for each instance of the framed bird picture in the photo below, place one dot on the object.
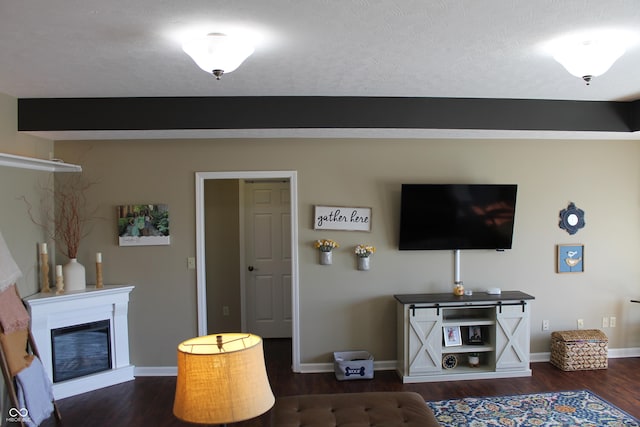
(570, 259)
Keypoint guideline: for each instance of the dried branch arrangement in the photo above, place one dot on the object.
(66, 221)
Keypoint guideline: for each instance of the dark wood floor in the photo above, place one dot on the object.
(148, 401)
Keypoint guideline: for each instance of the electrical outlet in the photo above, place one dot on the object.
(545, 325)
(225, 310)
(580, 324)
(605, 322)
(612, 322)
(191, 263)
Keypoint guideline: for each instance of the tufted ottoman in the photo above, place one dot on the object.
(380, 409)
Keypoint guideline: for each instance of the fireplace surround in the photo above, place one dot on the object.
(91, 328)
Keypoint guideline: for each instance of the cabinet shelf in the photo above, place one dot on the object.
(468, 349)
(468, 322)
(12, 160)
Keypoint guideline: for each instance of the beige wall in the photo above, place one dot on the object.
(222, 244)
(342, 308)
(19, 232)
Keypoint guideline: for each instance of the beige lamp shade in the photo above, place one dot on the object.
(222, 378)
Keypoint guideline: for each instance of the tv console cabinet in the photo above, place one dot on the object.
(438, 332)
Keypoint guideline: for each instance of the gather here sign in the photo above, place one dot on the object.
(342, 218)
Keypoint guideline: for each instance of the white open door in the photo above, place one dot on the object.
(267, 258)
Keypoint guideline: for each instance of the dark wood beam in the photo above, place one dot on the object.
(635, 116)
(164, 113)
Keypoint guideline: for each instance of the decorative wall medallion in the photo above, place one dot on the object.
(571, 219)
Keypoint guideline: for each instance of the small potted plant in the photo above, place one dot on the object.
(474, 360)
(363, 252)
(326, 246)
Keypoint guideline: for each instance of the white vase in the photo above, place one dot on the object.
(326, 258)
(74, 276)
(363, 263)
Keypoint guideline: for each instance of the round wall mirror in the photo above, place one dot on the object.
(571, 219)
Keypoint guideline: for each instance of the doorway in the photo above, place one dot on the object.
(201, 279)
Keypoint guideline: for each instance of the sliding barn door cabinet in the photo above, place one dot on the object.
(443, 337)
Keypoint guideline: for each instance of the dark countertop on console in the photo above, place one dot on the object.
(449, 297)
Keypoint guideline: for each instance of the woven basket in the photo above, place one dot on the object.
(582, 349)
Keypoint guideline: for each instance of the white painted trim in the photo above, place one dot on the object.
(613, 353)
(387, 365)
(378, 365)
(156, 371)
(540, 357)
(618, 353)
(11, 160)
(333, 133)
(383, 365)
(201, 275)
(242, 255)
(316, 368)
(201, 280)
(295, 273)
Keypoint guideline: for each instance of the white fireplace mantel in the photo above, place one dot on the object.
(50, 311)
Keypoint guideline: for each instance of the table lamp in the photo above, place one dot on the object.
(222, 378)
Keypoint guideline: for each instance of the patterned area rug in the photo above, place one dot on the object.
(566, 409)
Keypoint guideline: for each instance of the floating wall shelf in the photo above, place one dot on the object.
(12, 160)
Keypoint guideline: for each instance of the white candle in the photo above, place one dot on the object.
(58, 271)
(99, 257)
(43, 248)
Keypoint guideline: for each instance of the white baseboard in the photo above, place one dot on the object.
(613, 353)
(156, 371)
(539, 357)
(383, 365)
(313, 368)
(624, 352)
(387, 365)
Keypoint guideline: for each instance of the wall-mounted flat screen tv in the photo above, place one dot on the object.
(457, 216)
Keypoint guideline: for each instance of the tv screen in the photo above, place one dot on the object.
(457, 216)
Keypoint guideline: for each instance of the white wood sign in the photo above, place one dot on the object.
(342, 218)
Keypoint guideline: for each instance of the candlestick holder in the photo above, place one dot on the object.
(59, 285)
(99, 282)
(44, 269)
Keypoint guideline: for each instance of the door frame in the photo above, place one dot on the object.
(201, 278)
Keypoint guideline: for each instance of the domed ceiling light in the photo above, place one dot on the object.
(218, 53)
(588, 56)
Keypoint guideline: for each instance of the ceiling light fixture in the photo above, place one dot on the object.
(218, 53)
(588, 56)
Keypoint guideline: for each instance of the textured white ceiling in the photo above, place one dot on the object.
(415, 48)
(442, 48)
